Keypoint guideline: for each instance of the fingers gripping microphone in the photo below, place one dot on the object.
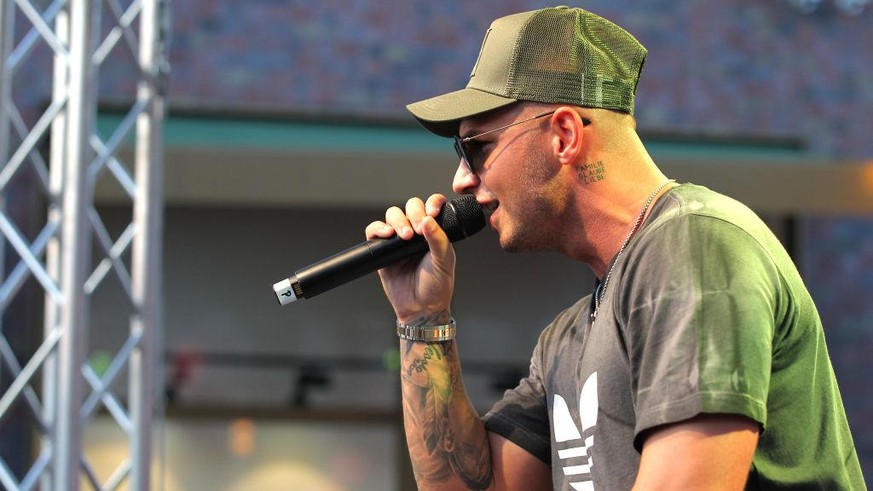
(459, 218)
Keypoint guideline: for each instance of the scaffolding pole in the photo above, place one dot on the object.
(75, 250)
(147, 258)
(71, 391)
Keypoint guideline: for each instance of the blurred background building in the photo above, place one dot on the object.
(286, 134)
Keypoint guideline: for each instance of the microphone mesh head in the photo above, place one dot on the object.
(461, 217)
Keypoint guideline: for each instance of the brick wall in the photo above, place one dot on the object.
(737, 67)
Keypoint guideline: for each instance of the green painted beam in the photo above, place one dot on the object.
(275, 134)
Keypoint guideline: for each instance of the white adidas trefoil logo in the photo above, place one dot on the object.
(577, 461)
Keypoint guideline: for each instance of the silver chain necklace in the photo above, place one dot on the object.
(600, 291)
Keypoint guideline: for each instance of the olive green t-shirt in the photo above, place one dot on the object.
(704, 313)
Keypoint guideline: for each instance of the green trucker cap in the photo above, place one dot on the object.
(556, 55)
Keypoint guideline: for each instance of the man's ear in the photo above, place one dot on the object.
(567, 135)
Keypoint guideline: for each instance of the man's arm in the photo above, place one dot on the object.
(448, 444)
(710, 451)
(515, 468)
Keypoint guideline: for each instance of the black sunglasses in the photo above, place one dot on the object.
(470, 151)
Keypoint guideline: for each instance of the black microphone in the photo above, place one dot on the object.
(459, 218)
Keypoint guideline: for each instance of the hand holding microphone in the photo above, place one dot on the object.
(439, 222)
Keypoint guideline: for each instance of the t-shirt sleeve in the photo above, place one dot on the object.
(521, 416)
(697, 310)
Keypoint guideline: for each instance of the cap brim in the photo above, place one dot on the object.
(442, 114)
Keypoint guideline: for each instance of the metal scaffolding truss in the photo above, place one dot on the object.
(60, 389)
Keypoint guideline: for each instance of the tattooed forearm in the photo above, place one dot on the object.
(419, 365)
(446, 438)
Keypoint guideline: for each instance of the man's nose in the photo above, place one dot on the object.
(464, 181)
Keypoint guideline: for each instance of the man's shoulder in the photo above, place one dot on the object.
(696, 200)
(702, 209)
(696, 222)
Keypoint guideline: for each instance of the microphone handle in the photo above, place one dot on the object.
(459, 218)
(353, 263)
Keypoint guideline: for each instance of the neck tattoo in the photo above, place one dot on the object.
(600, 290)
